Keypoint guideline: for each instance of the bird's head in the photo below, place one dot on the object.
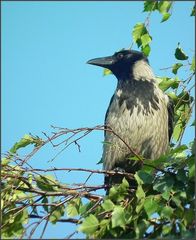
(122, 63)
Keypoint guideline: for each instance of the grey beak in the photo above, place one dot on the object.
(102, 62)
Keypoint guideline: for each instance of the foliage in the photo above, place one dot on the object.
(142, 37)
(162, 204)
(140, 32)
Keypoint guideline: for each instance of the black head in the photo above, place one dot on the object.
(120, 63)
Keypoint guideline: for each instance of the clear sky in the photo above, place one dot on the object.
(46, 81)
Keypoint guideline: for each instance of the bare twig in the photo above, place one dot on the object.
(70, 220)
(76, 169)
(71, 235)
(44, 229)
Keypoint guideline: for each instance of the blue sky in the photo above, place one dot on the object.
(46, 81)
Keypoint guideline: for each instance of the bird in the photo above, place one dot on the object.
(139, 112)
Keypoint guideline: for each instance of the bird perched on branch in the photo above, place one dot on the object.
(139, 112)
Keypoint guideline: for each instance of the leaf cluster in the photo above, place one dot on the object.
(163, 7)
(162, 205)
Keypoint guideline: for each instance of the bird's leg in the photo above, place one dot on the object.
(109, 180)
(119, 169)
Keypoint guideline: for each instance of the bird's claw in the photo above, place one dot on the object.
(118, 169)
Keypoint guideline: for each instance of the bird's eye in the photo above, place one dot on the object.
(120, 56)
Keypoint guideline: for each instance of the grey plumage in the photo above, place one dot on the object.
(139, 112)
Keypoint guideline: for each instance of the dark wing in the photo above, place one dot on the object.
(170, 108)
(107, 178)
(108, 110)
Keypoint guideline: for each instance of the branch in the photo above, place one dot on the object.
(70, 192)
(75, 169)
(85, 131)
(70, 220)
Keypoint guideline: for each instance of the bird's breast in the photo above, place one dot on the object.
(141, 123)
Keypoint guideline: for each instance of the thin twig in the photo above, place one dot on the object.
(44, 228)
(70, 220)
(71, 235)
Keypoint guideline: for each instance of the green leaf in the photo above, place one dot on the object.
(146, 50)
(83, 209)
(179, 149)
(178, 156)
(141, 228)
(177, 131)
(189, 234)
(25, 141)
(167, 212)
(191, 167)
(108, 205)
(166, 229)
(183, 195)
(157, 162)
(138, 179)
(20, 195)
(140, 192)
(5, 161)
(188, 217)
(175, 67)
(164, 183)
(146, 39)
(89, 225)
(46, 183)
(192, 68)
(118, 217)
(182, 175)
(164, 6)
(182, 116)
(103, 225)
(177, 201)
(107, 143)
(173, 96)
(125, 184)
(150, 206)
(100, 161)
(166, 16)
(113, 192)
(71, 211)
(22, 217)
(16, 220)
(145, 177)
(139, 30)
(142, 38)
(118, 192)
(106, 72)
(180, 54)
(166, 195)
(192, 145)
(45, 200)
(72, 207)
(193, 11)
(150, 6)
(57, 214)
(185, 97)
(166, 83)
(139, 205)
(135, 158)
